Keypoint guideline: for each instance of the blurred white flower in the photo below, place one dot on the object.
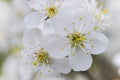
(5, 12)
(77, 40)
(11, 23)
(36, 56)
(12, 69)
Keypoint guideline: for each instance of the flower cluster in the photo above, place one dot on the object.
(62, 34)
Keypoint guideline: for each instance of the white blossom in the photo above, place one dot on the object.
(77, 38)
(45, 11)
(100, 14)
(36, 56)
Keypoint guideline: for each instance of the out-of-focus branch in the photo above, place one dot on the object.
(89, 75)
(103, 69)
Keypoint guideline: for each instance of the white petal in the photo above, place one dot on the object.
(33, 19)
(85, 19)
(37, 4)
(77, 4)
(62, 22)
(80, 61)
(47, 70)
(99, 42)
(32, 38)
(93, 4)
(46, 28)
(27, 58)
(44, 69)
(58, 47)
(61, 65)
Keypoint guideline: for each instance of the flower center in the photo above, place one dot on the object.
(52, 11)
(42, 57)
(76, 39)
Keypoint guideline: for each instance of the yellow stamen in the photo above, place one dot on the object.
(42, 57)
(103, 12)
(76, 39)
(52, 11)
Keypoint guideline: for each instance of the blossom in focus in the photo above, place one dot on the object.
(36, 56)
(77, 40)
